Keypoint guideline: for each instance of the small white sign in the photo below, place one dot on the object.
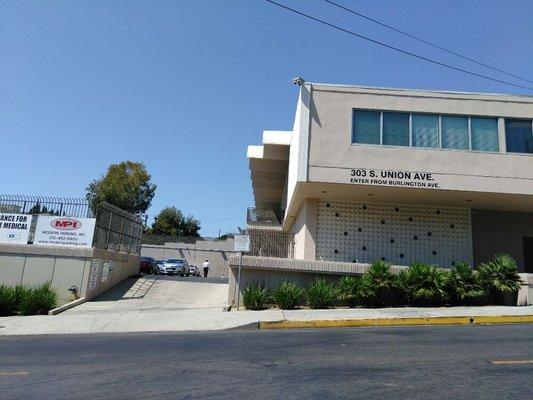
(64, 231)
(105, 271)
(93, 275)
(242, 243)
(14, 228)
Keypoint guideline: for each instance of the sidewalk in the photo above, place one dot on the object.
(196, 319)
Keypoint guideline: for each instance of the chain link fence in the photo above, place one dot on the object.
(117, 230)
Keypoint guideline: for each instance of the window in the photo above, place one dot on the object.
(366, 127)
(458, 132)
(484, 133)
(519, 135)
(455, 133)
(425, 130)
(395, 129)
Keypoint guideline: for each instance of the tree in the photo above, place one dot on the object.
(126, 185)
(171, 222)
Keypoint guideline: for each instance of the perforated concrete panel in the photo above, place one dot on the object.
(397, 233)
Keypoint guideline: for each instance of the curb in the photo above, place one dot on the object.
(354, 323)
(67, 306)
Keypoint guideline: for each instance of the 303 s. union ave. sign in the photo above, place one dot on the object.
(64, 231)
(412, 179)
(14, 228)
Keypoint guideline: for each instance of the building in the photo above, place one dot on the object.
(400, 175)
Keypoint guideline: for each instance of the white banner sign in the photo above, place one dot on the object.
(242, 243)
(14, 228)
(64, 231)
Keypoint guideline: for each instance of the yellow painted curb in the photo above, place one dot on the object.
(351, 323)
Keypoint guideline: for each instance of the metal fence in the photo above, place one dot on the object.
(271, 243)
(160, 240)
(117, 230)
(61, 206)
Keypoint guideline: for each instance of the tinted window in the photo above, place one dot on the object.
(455, 133)
(395, 129)
(519, 136)
(425, 130)
(366, 127)
(484, 134)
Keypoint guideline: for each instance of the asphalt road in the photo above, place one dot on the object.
(371, 363)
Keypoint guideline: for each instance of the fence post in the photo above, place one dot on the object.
(109, 229)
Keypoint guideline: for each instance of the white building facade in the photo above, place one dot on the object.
(401, 175)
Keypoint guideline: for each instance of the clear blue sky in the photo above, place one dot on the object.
(185, 86)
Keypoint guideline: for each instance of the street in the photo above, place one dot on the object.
(459, 362)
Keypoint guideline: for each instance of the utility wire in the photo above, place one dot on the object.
(396, 48)
(426, 41)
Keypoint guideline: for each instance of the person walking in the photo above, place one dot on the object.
(206, 266)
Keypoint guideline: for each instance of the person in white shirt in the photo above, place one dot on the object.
(206, 266)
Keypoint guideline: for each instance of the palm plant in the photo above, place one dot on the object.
(348, 288)
(380, 281)
(464, 286)
(499, 277)
(287, 295)
(320, 294)
(424, 285)
(255, 297)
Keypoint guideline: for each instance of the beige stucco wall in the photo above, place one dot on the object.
(304, 230)
(217, 253)
(332, 155)
(63, 267)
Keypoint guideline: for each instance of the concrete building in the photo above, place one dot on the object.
(400, 175)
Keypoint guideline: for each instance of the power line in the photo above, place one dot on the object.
(396, 48)
(425, 41)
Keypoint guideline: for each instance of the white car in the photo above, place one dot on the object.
(193, 270)
(174, 266)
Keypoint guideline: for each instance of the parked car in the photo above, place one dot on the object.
(193, 270)
(179, 265)
(158, 263)
(147, 265)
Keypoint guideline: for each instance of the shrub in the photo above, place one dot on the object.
(378, 284)
(424, 285)
(255, 297)
(464, 287)
(38, 300)
(10, 297)
(320, 294)
(287, 295)
(348, 289)
(499, 277)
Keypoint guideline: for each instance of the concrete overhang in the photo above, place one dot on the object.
(398, 195)
(269, 165)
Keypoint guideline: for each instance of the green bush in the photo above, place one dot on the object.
(321, 294)
(287, 295)
(38, 300)
(499, 277)
(255, 297)
(356, 290)
(424, 285)
(464, 287)
(348, 288)
(10, 297)
(378, 285)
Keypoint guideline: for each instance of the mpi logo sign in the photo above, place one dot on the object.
(65, 224)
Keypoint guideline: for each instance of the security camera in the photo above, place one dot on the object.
(298, 81)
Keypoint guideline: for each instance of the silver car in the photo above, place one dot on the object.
(175, 266)
(193, 270)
